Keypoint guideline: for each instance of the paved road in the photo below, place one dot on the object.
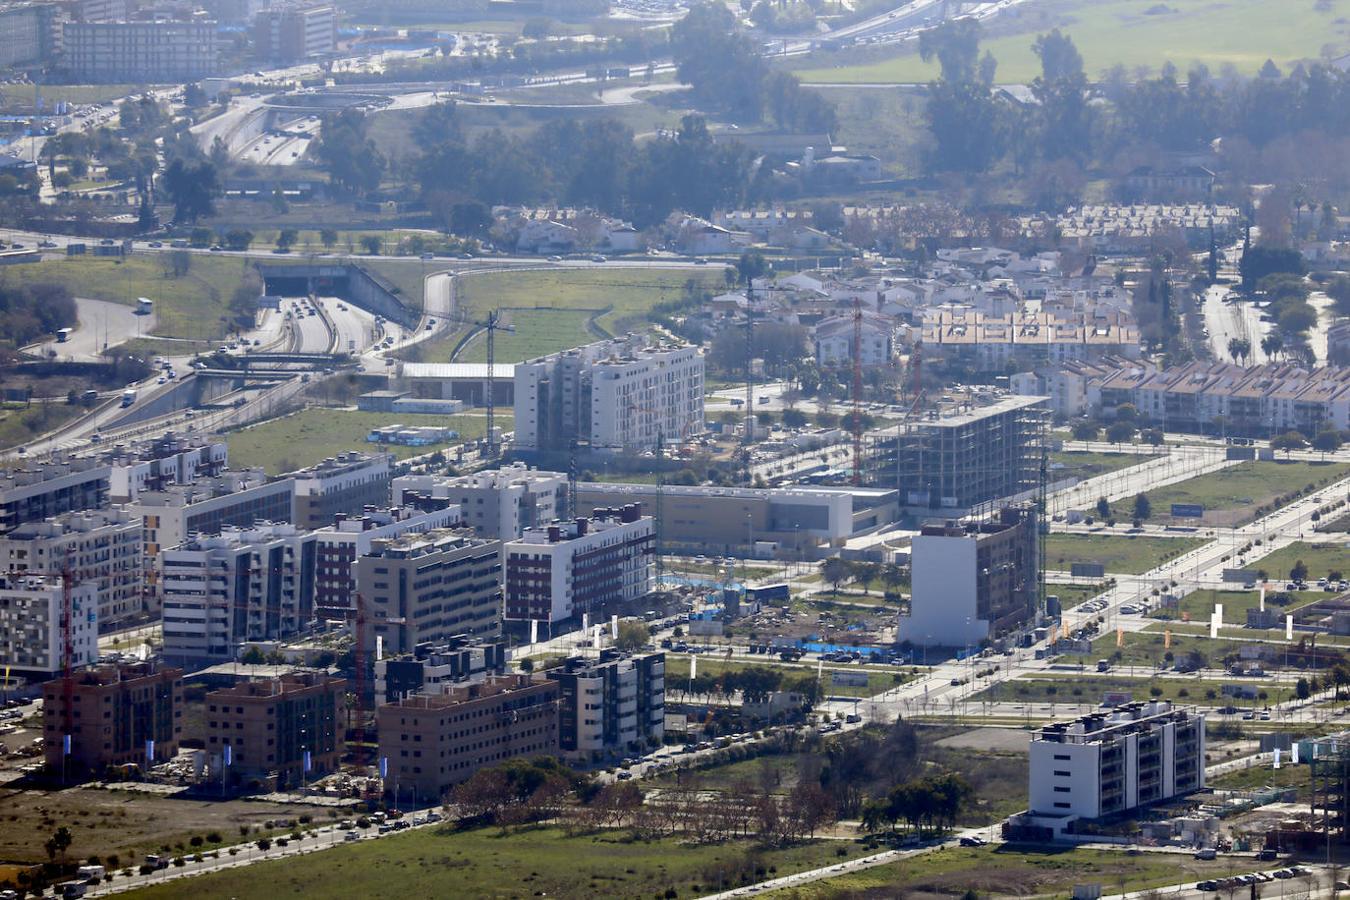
(102, 324)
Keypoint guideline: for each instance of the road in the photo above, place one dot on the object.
(102, 324)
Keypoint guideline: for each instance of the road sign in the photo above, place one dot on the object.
(1087, 570)
(1187, 511)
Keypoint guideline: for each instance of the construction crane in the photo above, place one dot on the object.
(491, 325)
(359, 658)
(857, 391)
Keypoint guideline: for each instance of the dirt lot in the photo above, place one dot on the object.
(996, 740)
(127, 823)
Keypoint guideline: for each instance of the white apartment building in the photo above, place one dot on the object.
(1116, 760)
(160, 464)
(346, 483)
(615, 395)
(244, 584)
(835, 337)
(140, 52)
(173, 515)
(499, 503)
(615, 703)
(32, 625)
(102, 547)
(559, 571)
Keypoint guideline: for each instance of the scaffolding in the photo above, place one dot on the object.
(1331, 795)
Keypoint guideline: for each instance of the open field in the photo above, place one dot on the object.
(1088, 687)
(1132, 33)
(1197, 605)
(1070, 595)
(1008, 871)
(1129, 554)
(127, 823)
(1319, 558)
(677, 674)
(188, 307)
(1232, 495)
(20, 424)
(1076, 464)
(539, 332)
(539, 862)
(307, 437)
(75, 93)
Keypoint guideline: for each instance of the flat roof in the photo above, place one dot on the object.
(466, 371)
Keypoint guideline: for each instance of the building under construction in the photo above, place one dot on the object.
(962, 454)
(1331, 793)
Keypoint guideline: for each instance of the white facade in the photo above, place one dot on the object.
(140, 52)
(155, 466)
(1117, 760)
(32, 624)
(338, 547)
(834, 339)
(943, 603)
(102, 547)
(617, 395)
(498, 503)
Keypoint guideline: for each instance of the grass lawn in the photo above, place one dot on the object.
(1258, 777)
(80, 93)
(19, 424)
(1319, 558)
(1131, 33)
(1129, 554)
(303, 439)
(1070, 595)
(539, 332)
(677, 674)
(1069, 463)
(1009, 871)
(1146, 648)
(187, 307)
(126, 823)
(889, 125)
(540, 862)
(1088, 687)
(1232, 495)
(1197, 605)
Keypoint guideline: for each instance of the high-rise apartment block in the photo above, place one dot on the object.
(347, 483)
(497, 503)
(292, 33)
(33, 625)
(140, 52)
(621, 394)
(614, 704)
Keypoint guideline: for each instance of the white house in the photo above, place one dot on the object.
(834, 341)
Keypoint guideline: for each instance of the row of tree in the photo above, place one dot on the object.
(929, 803)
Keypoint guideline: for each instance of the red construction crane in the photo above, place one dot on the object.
(857, 391)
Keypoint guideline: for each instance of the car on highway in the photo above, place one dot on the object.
(598, 258)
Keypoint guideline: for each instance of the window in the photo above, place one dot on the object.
(1063, 805)
(1060, 773)
(1060, 789)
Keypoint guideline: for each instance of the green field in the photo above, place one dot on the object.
(1088, 687)
(539, 332)
(1083, 465)
(1319, 558)
(1232, 495)
(20, 424)
(187, 307)
(677, 675)
(1197, 605)
(1132, 33)
(1009, 872)
(541, 862)
(1121, 553)
(303, 439)
(1070, 595)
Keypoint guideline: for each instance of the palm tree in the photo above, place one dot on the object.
(1239, 348)
(1272, 344)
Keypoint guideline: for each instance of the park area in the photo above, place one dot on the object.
(1238, 494)
(307, 437)
(1120, 553)
(1136, 34)
(490, 863)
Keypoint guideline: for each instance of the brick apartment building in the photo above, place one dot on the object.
(116, 710)
(273, 726)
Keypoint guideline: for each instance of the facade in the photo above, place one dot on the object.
(51, 489)
(436, 668)
(27, 33)
(177, 513)
(834, 341)
(244, 584)
(498, 503)
(559, 571)
(32, 625)
(344, 484)
(286, 726)
(140, 52)
(289, 34)
(1117, 760)
(120, 714)
(991, 343)
(973, 582)
(969, 453)
(427, 588)
(433, 742)
(616, 395)
(99, 546)
(159, 464)
(350, 537)
(614, 704)
(726, 520)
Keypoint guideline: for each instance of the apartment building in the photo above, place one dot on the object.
(965, 452)
(347, 483)
(497, 503)
(98, 546)
(284, 728)
(1120, 759)
(434, 741)
(28, 33)
(47, 489)
(119, 714)
(244, 584)
(290, 34)
(619, 395)
(351, 537)
(613, 704)
(160, 463)
(175, 514)
(972, 581)
(140, 52)
(990, 343)
(838, 342)
(436, 668)
(559, 571)
(33, 624)
(427, 588)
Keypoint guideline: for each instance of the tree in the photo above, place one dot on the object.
(286, 238)
(1239, 348)
(58, 843)
(1120, 432)
(1288, 442)
(794, 418)
(1301, 689)
(192, 187)
(1142, 507)
(238, 239)
(328, 237)
(835, 571)
(1103, 507)
(1327, 440)
(1259, 261)
(1338, 289)
(633, 635)
(1062, 93)
(1299, 572)
(347, 153)
(180, 263)
(370, 243)
(1272, 344)
(1087, 430)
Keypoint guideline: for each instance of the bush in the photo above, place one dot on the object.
(196, 840)
(179, 862)
(264, 844)
(213, 837)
